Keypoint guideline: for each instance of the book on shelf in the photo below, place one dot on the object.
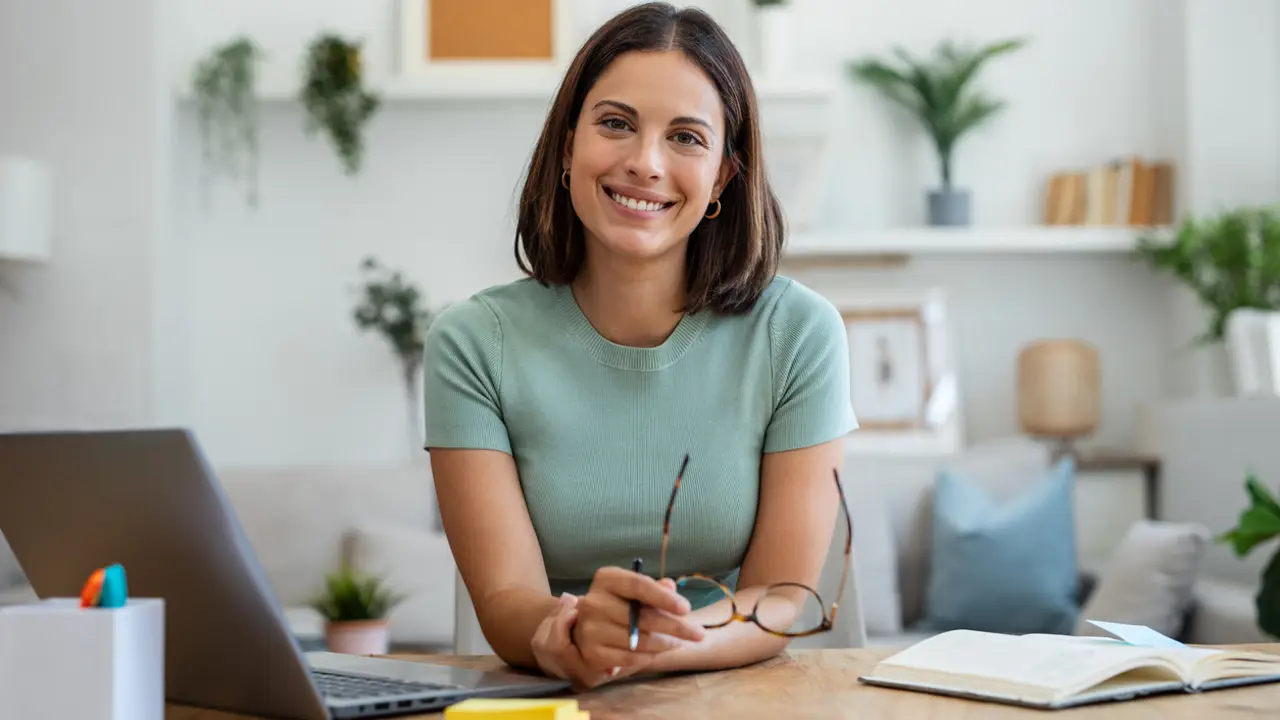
(1130, 191)
(1058, 671)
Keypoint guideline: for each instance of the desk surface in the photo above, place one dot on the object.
(823, 683)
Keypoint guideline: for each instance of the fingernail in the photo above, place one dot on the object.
(565, 599)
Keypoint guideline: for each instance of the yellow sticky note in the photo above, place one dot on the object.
(515, 709)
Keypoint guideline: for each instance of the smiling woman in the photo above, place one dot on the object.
(652, 336)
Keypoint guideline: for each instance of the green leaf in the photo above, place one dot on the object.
(1258, 523)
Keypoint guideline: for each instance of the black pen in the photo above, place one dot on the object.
(636, 565)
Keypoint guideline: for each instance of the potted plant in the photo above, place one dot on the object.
(1259, 523)
(394, 307)
(1230, 260)
(939, 93)
(224, 84)
(355, 609)
(774, 18)
(335, 98)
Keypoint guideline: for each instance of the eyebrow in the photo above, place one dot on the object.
(683, 119)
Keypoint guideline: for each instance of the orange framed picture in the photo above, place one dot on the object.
(471, 36)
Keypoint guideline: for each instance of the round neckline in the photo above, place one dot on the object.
(626, 357)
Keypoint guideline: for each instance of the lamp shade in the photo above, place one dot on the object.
(1059, 388)
(26, 209)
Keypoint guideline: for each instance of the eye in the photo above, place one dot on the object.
(614, 123)
(689, 139)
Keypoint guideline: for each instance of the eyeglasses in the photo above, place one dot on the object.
(779, 592)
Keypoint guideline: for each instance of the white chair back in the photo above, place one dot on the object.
(468, 638)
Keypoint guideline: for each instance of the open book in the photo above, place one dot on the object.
(1056, 671)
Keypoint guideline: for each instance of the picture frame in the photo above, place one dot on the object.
(889, 379)
(514, 40)
(923, 417)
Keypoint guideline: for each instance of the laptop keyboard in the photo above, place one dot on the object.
(341, 686)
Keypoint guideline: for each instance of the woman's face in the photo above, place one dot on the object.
(645, 159)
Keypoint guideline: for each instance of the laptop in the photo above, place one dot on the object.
(74, 501)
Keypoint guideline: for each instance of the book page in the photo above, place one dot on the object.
(1026, 660)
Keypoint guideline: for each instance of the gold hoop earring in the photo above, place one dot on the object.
(564, 179)
(715, 214)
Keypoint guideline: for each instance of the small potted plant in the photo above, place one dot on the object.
(395, 307)
(355, 609)
(224, 84)
(335, 97)
(938, 93)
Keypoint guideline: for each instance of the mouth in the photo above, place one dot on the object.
(636, 204)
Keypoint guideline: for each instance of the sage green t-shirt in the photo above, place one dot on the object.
(598, 430)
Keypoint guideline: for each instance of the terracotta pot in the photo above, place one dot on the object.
(357, 637)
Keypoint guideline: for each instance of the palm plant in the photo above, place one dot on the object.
(937, 91)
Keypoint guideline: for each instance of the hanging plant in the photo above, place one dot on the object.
(224, 85)
(335, 98)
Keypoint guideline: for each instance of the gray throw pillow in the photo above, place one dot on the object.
(1150, 578)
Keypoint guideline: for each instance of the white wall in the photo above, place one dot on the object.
(80, 82)
(244, 328)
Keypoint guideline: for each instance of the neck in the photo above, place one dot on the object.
(632, 304)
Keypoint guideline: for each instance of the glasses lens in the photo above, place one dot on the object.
(709, 595)
(776, 610)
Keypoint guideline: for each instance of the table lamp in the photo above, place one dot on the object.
(1059, 391)
(26, 209)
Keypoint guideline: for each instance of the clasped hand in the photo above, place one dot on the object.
(587, 640)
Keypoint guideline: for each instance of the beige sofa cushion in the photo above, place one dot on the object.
(418, 564)
(1150, 579)
(296, 518)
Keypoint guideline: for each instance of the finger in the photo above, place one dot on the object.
(619, 638)
(629, 585)
(603, 659)
(652, 620)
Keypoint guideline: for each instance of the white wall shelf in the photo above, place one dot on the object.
(930, 240)
(534, 85)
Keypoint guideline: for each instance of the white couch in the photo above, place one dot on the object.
(894, 494)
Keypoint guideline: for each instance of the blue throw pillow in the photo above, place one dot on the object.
(1004, 567)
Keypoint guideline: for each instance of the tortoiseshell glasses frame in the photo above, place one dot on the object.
(828, 615)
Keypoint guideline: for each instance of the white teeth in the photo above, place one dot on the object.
(635, 204)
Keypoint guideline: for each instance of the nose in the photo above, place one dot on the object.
(645, 161)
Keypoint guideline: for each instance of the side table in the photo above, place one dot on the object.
(1113, 489)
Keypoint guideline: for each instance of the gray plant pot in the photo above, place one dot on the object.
(949, 208)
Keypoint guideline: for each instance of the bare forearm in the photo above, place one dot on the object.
(510, 617)
(734, 645)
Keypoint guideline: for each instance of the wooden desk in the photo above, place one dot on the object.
(823, 684)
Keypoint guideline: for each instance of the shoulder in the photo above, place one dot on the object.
(799, 316)
(483, 315)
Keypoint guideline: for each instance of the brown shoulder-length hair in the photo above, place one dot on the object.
(731, 258)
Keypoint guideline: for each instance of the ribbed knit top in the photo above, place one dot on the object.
(598, 429)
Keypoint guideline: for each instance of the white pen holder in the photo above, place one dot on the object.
(61, 661)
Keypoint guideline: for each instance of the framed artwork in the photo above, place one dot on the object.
(889, 376)
(480, 37)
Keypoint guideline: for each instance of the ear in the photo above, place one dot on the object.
(727, 171)
(566, 154)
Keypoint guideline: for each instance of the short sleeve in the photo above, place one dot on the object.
(462, 377)
(810, 355)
